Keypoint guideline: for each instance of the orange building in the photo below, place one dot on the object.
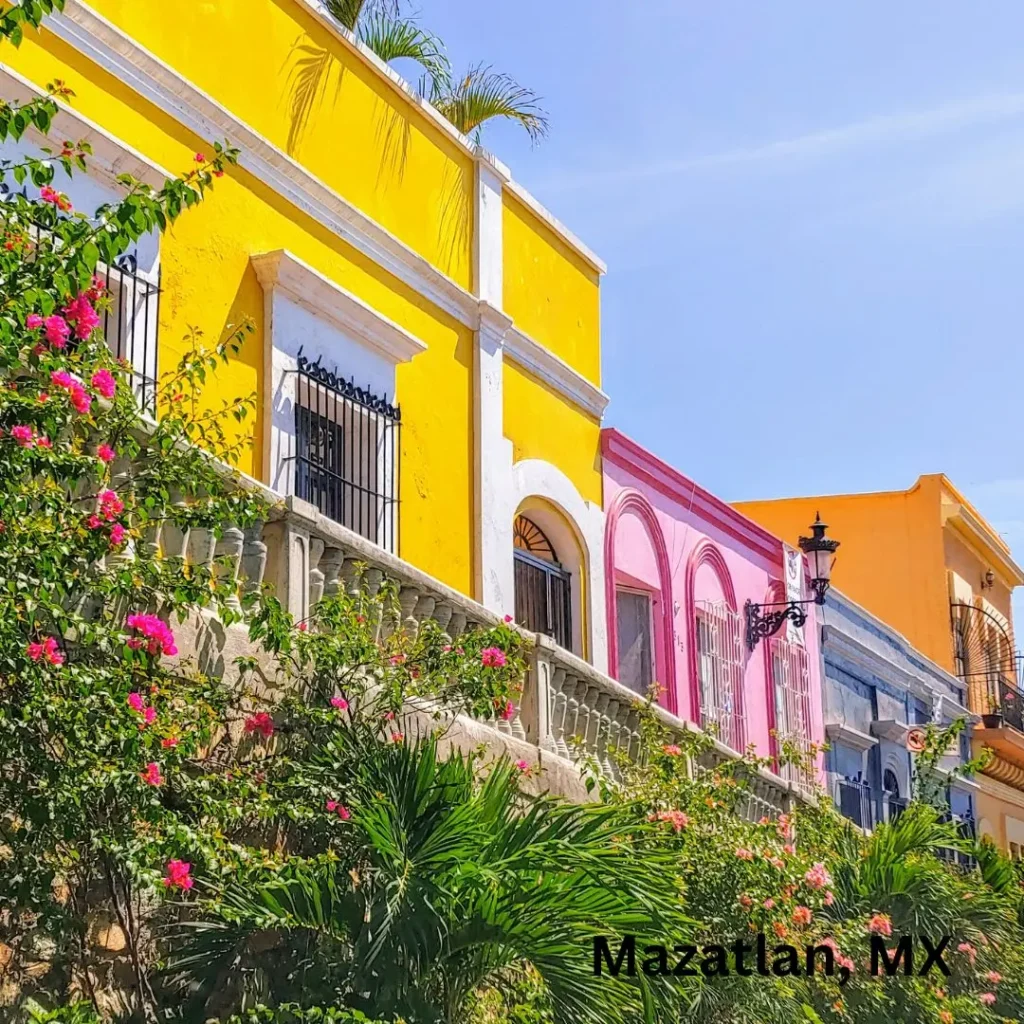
(925, 561)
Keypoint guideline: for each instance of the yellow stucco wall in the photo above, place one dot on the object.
(304, 89)
(209, 282)
(550, 291)
(891, 558)
(541, 424)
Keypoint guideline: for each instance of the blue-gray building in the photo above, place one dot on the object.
(877, 688)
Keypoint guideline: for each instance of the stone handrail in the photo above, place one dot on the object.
(569, 710)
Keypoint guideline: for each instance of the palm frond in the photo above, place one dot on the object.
(482, 95)
(392, 38)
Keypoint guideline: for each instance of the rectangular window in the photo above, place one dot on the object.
(720, 673)
(636, 640)
(791, 691)
(347, 445)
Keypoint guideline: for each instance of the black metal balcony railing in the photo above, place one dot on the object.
(347, 453)
(131, 322)
(967, 830)
(867, 806)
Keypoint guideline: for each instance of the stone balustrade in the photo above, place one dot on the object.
(571, 715)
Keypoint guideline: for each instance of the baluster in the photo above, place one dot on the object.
(456, 624)
(201, 545)
(408, 598)
(516, 723)
(611, 729)
(573, 694)
(316, 574)
(559, 706)
(374, 578)
(596, 728)
(633, 733)
(586, 695)
(149, 545)
(443, 614)
(330, 565)
(424, 609)
(350, 574)
(173, 537)
(228, 553)
(254, 558)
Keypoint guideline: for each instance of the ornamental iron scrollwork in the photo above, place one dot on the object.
(760, 625)
(346, 388)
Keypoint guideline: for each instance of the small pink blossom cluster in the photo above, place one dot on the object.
(178, 875)
(672, 749)
(151, 776)
(157, 636)
(968, 950)
(103, 383)
(334, 807)
(987, 998)
(742, 853)
(77, 395)
(840, 959)
(79, 311)
(105, 453)
(677, 819)
(802, 915)
(46, 650)
(523, 767)
(27, 437)
(784, 826)
(880, 924)
(111, 506)
(56, 328)
(262, 723)
(818, 877)
(138, 704)
(340, 703)
(492, 657)
(508, 712)
(55, 198)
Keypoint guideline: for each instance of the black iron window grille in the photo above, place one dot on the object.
(130, 324)
(855, 801)
(347, 453)
(543, 588)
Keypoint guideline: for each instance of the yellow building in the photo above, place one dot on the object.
(426, 357)
(926, 562)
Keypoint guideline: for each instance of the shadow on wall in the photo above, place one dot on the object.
(310, 71)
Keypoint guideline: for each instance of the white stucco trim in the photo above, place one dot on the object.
(535, 478)
(556, 373)
(323, 298)
(110, 156)
(840, 732)
(890, 729)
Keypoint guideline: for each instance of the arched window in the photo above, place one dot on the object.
(543, 586)
(894, 804)
(791, 704)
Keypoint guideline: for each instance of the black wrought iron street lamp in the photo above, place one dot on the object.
(764, 620)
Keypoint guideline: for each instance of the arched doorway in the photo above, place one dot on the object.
(543, 586)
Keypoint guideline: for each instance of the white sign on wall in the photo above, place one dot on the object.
(793, 569)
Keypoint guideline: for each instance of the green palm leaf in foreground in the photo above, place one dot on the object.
(450, 884)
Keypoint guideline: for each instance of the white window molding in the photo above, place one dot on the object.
(306, 312)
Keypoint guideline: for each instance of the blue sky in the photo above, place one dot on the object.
(813, 219)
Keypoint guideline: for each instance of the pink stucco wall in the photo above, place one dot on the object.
(668, 536)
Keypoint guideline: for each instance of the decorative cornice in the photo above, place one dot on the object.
(105, 44)
(494, 325)
(532, 356)
(890, 729)
(1005, 772)
(110, 157)
(840, 732)
(625, 452)
(329, 301)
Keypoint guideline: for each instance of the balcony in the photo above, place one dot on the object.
(866, 806)
(571, 714)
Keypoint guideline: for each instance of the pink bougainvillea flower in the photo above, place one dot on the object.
(397, 737)
(169, 742)
(829, 899)
(768, 903)
(784, 826)
(303, 627)
(151, 776)
(200, 158)
(94, 523)
(332, 805)
(880, 924)
(789, 849)
(81, 313)
(57, 330)
(994, 976)
(111, 506)
(945, 1017)
(780, 929)
(58, 199)
(677, 819)
(103, 383)
(80, 399)
(672, 749)
(105, 453)
(742, 853)
(818, 877)
(46, 650)
(178, 875)
(343, 812)
(33, 321)
(801, 915)
(62, 379)
(159, 638)
(149, 715)
(508, 618)
(777, 862)
(43, 442)
(396, 659)
(23, 435)
(987, 998)
(389, 716)
(492, 657)
(136, 701)
(262, 723)
(340, 703)
(446, 648)
(523, 766)
(117, 533)
(508, 712)
(745, 901)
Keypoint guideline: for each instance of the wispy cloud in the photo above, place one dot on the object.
(882, 130)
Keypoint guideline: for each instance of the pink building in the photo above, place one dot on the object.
(680, 566)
